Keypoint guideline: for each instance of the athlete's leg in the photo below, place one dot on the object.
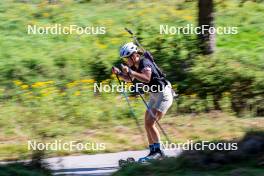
(163, 103)
(150, 123)
(150, 140)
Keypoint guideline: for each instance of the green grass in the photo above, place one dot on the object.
(79, 52)
(22, 170)
(114, 133)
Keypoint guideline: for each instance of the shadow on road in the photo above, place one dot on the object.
(99, 171)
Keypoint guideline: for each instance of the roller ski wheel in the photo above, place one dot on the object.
(123, 163)
(131, 160)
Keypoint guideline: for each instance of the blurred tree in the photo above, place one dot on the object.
(206, 20)
(206, 38)
(99, 69)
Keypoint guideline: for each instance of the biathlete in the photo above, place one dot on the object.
(161, 94)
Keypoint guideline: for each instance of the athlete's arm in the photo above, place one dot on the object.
(123, 76)
(145, 76)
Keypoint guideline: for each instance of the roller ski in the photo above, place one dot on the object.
(126, 162)
(153, 155)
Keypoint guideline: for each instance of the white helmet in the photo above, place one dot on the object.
(128, 49)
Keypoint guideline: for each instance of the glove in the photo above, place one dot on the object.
(115, 70)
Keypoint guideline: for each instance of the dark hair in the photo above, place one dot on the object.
(140, 52)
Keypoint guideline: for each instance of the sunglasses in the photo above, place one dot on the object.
(125, 59)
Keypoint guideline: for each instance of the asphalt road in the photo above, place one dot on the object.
(95, 165)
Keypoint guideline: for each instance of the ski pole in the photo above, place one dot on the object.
(135, 39)
(132, 112)
(152, 115)
(146, 53)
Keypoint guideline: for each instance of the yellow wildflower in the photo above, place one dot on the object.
(50, 82)
(188, 18)
(18, 82)
(113, 76)
(102, 46)
(87, 81)
(77, 93)
(45, 14)
(71, 84)
(38, 84)
(24, 86)
(115, 40)
(193, 95)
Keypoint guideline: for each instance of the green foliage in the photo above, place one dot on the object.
(64, 58)
(22, 170)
